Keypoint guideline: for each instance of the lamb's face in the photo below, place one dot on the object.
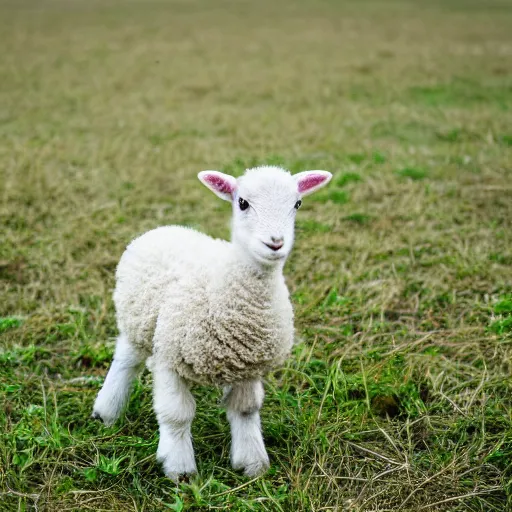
(264, 207)
(265, 201)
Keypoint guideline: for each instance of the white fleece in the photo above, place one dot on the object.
(192, 301)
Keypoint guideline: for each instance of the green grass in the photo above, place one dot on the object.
(398, 394)
(412, 173)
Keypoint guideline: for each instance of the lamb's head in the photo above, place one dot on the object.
(265, 201)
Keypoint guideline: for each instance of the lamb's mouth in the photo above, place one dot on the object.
(275, 256)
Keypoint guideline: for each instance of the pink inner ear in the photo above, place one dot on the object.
(310, 181)
(219, 184)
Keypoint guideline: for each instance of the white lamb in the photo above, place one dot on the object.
(202, 310)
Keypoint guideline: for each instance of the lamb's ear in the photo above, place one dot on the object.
(219, 183)
(310, 181)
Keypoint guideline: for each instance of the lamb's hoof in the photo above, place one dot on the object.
(101, 417)
(185, 478)
(254, 468)
(178, 478)
(178, 469)
(176, 474)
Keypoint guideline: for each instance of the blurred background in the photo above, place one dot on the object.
(398, 393)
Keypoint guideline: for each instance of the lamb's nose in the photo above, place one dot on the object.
(277, 243)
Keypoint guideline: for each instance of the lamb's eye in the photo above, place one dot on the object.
(297, 204)
(243, 204)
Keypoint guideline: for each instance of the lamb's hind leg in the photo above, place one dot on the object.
(175, 408)
(114, 394)
(243, 401)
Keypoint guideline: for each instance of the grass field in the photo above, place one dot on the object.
(398, 394)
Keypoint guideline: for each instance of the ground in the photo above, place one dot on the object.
(398, 394)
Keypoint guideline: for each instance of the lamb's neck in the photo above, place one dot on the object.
(243, 265)
(242, 281)
(249, 297)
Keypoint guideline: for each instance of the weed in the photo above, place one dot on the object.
(412, 173)
(358, 218)
(346, 178)
(9, 323)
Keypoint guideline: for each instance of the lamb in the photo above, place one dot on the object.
(208, 311)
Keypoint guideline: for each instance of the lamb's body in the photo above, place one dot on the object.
(209, 311)
(190, 300)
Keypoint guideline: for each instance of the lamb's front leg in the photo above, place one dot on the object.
(115, 392)
(175, 408)
(243, 401)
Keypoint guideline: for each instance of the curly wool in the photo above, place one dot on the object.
(190, 301)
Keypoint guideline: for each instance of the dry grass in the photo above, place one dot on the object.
(398, 397)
